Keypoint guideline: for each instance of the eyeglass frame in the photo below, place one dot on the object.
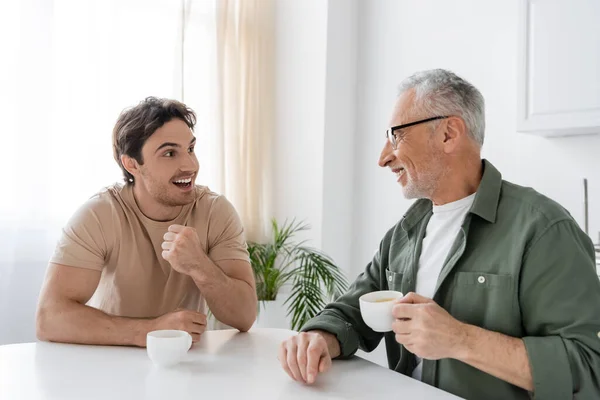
(389, 133)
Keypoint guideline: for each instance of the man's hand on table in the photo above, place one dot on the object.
(308, 354)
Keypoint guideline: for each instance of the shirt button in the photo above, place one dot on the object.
(390, 278)
(599, 334)
(481, 279)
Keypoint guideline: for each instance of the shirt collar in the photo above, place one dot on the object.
(485, 204)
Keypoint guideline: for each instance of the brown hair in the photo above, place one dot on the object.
(135, 125)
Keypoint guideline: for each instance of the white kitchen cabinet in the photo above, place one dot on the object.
(559, 67)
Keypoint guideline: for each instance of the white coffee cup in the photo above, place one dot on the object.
(376, 309)
(167, 347)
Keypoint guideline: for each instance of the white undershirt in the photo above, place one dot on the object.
(442, 228)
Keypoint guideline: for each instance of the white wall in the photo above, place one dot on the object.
(340, 131)
(300, 111)
(316, 105)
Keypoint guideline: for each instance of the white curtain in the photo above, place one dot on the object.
(246, 86)
(68, 67)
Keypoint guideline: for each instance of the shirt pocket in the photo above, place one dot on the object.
(394, 280)
(484, 299)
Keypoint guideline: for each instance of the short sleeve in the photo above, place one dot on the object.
(226, 238)
(82, 243)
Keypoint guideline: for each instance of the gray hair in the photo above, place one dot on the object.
(439, 92)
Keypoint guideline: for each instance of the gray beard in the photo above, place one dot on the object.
(420, 190)
(425, 188)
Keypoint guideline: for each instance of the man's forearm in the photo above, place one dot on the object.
(232, 301)
(72, 322)
(502, 356)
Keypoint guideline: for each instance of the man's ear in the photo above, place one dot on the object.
(131, 165)
(454, 132)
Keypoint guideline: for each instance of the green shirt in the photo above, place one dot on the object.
(539, 283)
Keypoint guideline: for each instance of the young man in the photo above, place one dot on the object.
(502, 298)
(154, 253)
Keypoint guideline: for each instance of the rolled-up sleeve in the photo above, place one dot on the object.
(342, 317)
(560, 303)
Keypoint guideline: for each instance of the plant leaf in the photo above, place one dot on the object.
(315, 278)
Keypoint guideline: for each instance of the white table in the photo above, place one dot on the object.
(223, 365)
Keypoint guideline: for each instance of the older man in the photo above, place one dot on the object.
(502, 298)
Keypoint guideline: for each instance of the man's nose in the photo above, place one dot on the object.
(190, 163)
(387, 154)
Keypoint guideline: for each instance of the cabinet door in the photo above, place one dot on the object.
(559, 67)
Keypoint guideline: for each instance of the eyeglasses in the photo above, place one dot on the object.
(389, 134)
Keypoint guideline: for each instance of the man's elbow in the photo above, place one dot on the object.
(43, 327)
(247, 322)
(46, 327)
(245, 327)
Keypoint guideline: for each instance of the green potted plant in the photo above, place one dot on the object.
(314, 278)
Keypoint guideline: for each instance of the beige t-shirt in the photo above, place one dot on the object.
(109, 233)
